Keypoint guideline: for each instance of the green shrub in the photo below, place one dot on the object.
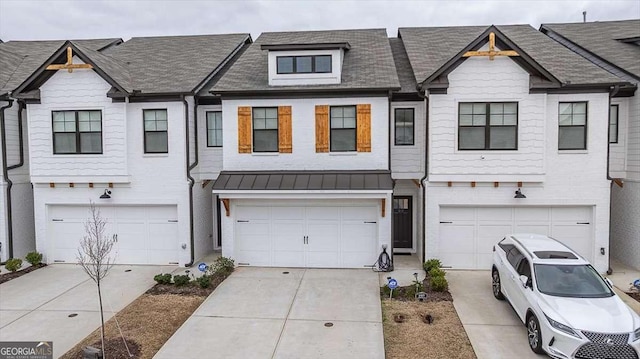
(430, 264)
(34, 258)
(436, 272)
(439, 283)
(181, 279)
(204, 281)
(163, 278)
(13, 264)
(222, 266)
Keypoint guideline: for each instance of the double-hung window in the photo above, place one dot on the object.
(77, 132)
(316, 64)
(265, 129)
(343, 128)
(214, 129)
(404, 126)
(613, 124)
(572, 130)
(488, 126)
(155, 131)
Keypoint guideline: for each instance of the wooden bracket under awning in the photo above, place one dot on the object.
(619, 182)
(384, 207)
(225, 202)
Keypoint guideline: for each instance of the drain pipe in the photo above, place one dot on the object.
(21, 107)
(5, 174)
(614, 91)
(191, 181)
(426, 172)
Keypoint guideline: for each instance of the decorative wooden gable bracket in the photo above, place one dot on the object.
(492, 53)
(69, 65)
(383, 207)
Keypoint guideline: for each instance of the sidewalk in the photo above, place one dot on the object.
(622, 278)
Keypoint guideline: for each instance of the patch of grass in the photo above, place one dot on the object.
(445, 338)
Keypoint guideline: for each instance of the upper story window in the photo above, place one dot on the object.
(156, 139)
(613, 124)
(214, 129)
(265, 129)
(343, 128)
(404, 126)
(316, 64)
(77, 132)
(488, 126)
(572, 122)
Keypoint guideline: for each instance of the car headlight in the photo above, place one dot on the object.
(563, 328)
(636, 335)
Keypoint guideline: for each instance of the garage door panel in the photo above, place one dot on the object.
(323, 213)
(255, 236)
(145, 234)
(468, 243)
(328, 259)
(253, 213)
(368, 213)
(287, 213)
(323, 237)
(288, 243)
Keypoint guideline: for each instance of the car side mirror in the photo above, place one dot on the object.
(525, 281)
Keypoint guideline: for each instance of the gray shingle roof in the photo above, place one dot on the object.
(367, 65)
(173, 64)
(602, 39)
(34, 54)
(429, 48)
(304, 180)
(408, 82)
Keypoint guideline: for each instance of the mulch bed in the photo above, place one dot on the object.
(148, 322)
(634, 295)
(5, 277)
(415, 338)
(408, 293)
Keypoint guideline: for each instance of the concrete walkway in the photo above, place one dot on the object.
(37, 305)
(285, 313)
(622, 278)
(494, 329)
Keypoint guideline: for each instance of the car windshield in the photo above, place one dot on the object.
(579, 281)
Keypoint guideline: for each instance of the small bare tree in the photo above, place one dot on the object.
(94, 255)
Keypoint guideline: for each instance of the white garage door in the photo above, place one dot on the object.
(145, 235)
(467, 234)
(306, 236)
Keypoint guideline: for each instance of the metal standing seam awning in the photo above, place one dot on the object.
(303, 181)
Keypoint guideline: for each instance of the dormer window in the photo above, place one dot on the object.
(318, 64)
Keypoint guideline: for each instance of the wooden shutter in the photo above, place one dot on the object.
(284, 129)
(322, 128)
(244, 129)
(364, 127)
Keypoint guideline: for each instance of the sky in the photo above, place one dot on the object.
(69, 19)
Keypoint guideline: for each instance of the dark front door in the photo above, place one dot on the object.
(402, 222)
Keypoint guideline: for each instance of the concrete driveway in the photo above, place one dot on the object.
(494, 329)
(37, 305)
(305, 313)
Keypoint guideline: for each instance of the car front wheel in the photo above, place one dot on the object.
(496, 285)
(534, 334)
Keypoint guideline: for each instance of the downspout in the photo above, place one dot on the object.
(191, 182)
(426, 173)
(614, 91)
(21, 107)
(5, 174)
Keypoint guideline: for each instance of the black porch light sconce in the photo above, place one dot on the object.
(106, 194)
(519, 194)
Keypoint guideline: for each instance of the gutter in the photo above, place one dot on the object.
(426, 173)
(614, 90)
(5, 174)
(190, 179)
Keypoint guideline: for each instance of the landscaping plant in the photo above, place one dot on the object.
(204, 281)
(436, 272)
(439, 283)
(430, 264)
(34, 258)
(94, 255)
(13, 264)
(222, 266)
(181, 279)
(163, 278)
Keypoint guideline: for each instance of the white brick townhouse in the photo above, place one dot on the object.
(509, 109)
(18, 60)
(116, 127)
(615, 47)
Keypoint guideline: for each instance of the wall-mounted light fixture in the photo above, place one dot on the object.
(519, 194)
(106, 194)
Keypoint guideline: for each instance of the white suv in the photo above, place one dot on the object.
(569, 310)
